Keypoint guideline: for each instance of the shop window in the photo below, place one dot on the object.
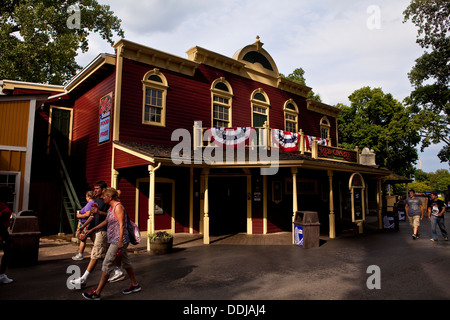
(221, 96)
(154, 105)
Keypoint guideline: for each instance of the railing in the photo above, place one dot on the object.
(70, 201)
(264, 137)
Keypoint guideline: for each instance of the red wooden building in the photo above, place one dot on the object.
(124, 111)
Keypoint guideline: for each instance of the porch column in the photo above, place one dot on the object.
(151, 201)
(115, 179)
(249, 205)
(206, 211)
(379, 204)
(294, 199)
(331, 201)
(265, 204)
(191, 200)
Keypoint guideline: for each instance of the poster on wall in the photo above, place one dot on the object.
(357, 202)
(105, 118)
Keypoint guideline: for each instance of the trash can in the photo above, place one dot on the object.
(391, 220)
(306, 229)
(25, 236)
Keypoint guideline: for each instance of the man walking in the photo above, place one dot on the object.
(436, 209)
(414, 212)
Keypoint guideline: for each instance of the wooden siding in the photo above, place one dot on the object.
(123, 159)
(14, 128)
(189, 100)
(87, 152)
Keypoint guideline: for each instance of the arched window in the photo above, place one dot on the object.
(260, 108)
(221, 98)
(154, 102)
(290, 116)
(325, 128)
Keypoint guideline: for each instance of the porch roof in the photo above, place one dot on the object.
(163, 153)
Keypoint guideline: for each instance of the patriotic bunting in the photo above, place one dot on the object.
(287, 141)
(231, 137)
(309, 140)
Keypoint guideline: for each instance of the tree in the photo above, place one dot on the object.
(39, 39)
(430, 76)
(298, 76)
(378, 121)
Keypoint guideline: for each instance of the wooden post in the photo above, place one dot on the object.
(332, 218)
(294, 199)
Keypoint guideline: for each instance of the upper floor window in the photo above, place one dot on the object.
(221, 96)
(155, 91)
(325, 128)
(260, 108)
(290, 116)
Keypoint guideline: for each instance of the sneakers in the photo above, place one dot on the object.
(78, 283)
(116, 276)
(132, 289)
(78, 256)
(414, 237)
(5, 279)
(91, 295)
(446, 238)
(434, 240)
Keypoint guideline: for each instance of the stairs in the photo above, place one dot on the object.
(70, 202)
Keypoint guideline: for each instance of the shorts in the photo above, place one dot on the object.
(100, 246)
(109, 263)
(414, 221)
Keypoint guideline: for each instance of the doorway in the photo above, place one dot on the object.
(227, 205)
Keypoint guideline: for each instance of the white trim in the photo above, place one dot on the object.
(13, 148)
(28, 156)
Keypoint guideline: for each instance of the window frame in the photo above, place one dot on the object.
(290, 112)
(327, 127)
(259, 104)
(154, 85)
(224, 95)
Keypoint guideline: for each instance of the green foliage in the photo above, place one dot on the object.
(36, 43)
(432, 181)
(298, 75)
(378, 121)
(430, 100)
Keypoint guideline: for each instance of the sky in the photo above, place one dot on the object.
(342, 45)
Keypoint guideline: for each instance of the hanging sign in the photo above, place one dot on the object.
(105, 118)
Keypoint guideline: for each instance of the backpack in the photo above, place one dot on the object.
(133, 232)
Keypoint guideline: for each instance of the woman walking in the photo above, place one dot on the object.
(118, 242)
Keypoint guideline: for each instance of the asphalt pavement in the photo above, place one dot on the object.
(377, 265)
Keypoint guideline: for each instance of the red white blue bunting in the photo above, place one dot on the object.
(231, 137)
(286, 141)
(309, 141)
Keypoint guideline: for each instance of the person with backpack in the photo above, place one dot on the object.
(99, 211)
(414, 212)
(118, 239)
(436, 209)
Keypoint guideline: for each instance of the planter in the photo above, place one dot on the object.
(161, 245)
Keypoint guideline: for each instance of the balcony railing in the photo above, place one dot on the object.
(267, 138)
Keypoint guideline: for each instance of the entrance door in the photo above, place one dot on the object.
(60, 128)
(227, 205)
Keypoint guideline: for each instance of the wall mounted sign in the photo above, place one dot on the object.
(105, 118)
(357, 186)
(336, 154)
